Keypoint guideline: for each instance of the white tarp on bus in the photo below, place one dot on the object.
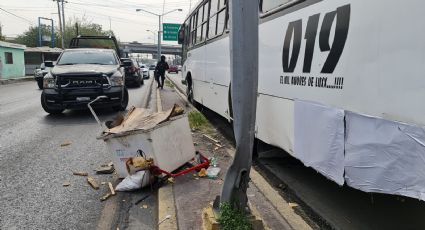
(385, 156)
(319, 138)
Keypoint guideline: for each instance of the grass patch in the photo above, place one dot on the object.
(169, 84)
(232, 219)
(198, 121)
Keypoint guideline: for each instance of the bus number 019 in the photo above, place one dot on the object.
(294, 31)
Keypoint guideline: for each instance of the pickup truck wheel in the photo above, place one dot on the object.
(47, 109)
(124, 102)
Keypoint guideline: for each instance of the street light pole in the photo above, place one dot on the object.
(159, 26)
(159, 37)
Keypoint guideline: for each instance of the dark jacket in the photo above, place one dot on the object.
(161, 67)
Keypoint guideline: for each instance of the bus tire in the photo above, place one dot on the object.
(189, 90)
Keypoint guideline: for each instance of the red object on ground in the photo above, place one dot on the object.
(155, 170)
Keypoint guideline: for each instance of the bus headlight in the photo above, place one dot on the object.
(117, 79)
(48, 81)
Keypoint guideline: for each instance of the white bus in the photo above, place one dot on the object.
(340, 85)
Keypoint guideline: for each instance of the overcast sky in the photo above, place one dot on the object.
(127, 24)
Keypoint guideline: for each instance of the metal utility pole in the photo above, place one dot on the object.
(63, 22)
(244, 82)
(60, 24)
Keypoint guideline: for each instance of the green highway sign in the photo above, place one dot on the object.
(171, 31)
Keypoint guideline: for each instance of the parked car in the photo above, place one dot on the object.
(133, 75)
(82, 74)
(144, 71)
(173, 69)
(39, 73)
(152, 67)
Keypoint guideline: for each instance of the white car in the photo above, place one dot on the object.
(144, 69)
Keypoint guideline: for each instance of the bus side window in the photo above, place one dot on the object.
(268, 5)
(193, 32)
(221, 17)
(213, 19)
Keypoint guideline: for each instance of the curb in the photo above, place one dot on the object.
(147, 95)
(167, 214)
(167, 218)
(15, 80)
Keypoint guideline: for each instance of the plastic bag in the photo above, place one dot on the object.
(138, 180)
(212, 172)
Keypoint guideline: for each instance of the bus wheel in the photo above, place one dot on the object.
(189, 91)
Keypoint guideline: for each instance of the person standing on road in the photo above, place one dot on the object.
(160, 69)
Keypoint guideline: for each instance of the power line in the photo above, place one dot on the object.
(30, 22)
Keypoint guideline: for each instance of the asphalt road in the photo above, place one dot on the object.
(34, 166)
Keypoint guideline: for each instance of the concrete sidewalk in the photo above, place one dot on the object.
(190, 194)
(15, 80)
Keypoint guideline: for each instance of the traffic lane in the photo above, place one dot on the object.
(33, 165)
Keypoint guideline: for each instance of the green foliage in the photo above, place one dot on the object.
(169, 84)
(85, 27)
(232, 219)
(198, 121)
(30, 37)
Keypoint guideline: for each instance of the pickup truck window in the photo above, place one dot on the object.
(73, 57)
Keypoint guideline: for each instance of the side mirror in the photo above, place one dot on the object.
(49, 64)
(126, 63)
(180, 38)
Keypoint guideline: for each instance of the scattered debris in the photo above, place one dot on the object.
(103, 183)
(195, 175)
(211, 139)
(80, 173)
(133, 182)
(142, 199)
(213, 161)
(170, 180)
(212, 172)
(111, 188)
(135, 164)
(202, 172)
(166, 217)
(292, 205)
(66, 184)
(105, 197)
(105, 169)
(66, 143)
(145, 206)
(93, 183)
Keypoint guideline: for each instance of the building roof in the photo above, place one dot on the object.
(12, 45)
(43, 49)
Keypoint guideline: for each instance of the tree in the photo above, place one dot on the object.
(30, 37)
(85, 27)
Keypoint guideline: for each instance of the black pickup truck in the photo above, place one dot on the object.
(84, 72)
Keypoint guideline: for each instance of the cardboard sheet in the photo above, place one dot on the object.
(319, 138)
(385, 156)
(141, 119)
